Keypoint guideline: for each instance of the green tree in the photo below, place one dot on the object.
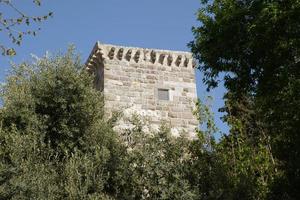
(255, 45)
(55, 141)
(15, 23)
(155, 165)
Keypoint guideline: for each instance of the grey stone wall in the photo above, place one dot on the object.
(131, 77)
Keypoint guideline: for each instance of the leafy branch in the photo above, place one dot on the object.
(13, 27)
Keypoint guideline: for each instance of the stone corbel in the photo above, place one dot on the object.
(111, 53)
(137, 56)
(128, 55)
(186, 62)
(169, 60)
(161, 58)
(153, 56)
(120, 54)
(178, 60)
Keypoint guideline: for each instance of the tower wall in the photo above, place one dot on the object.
(157, 84)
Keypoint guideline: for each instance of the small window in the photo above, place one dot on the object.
(163, 94)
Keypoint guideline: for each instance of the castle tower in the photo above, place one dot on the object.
(158, 84)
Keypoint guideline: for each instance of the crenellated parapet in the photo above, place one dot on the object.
(102, 53)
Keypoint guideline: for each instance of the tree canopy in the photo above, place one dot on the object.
(255, 45)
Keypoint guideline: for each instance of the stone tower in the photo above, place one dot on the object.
(158, 84)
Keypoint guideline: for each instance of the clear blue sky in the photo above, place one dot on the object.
(161, 24)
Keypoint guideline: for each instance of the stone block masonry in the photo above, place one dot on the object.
(157, 84)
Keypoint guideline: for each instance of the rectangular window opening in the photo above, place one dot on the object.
(163, 94)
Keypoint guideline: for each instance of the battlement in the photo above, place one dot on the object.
(104, 52)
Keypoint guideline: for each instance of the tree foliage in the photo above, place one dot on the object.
(55, 142)
(15, 24)
(255, 45)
